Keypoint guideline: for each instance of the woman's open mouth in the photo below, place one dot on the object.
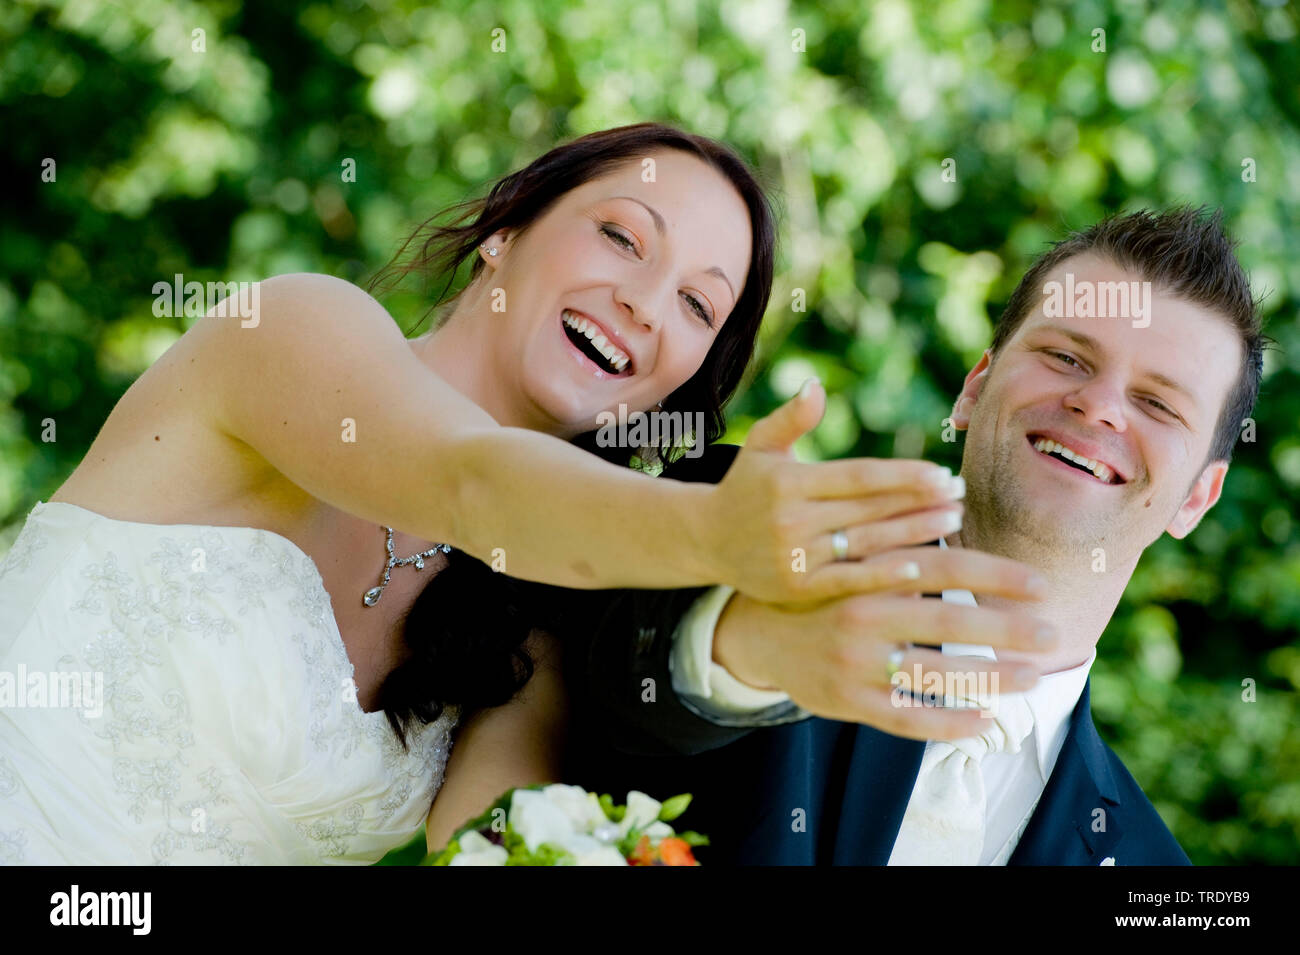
(588, 341)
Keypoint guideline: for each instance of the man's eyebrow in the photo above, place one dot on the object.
(1087, 341)
(661, 228)
(1168, 382)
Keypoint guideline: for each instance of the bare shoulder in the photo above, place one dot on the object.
(304, 312)
(305, 329)
(166, 454)
(321, 382)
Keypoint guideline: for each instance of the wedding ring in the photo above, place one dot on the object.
(840, 545)
(895, 662)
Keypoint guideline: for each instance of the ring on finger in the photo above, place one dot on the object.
(840, 545)
(895, 661)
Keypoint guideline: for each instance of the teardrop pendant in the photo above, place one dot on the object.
(372, 596)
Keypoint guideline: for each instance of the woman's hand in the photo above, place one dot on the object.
(773, 518)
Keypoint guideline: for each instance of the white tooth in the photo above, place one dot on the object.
(1086, 462)
(1067, 454)
(599, 340)
(1056, 448)
(584, 326)
(620, 364)
(1040, 444)
(1103, 472)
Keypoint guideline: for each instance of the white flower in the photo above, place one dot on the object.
(539, 819)
(582, 807)
(587, 850)
(659, 830)
(641, 812)
(478, 850)
(605, 855)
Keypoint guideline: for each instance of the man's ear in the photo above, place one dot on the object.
(1200, 499)
(970, 391)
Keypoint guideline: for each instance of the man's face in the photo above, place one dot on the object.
(1138, 404)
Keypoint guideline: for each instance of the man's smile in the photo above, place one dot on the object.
(1063, 455)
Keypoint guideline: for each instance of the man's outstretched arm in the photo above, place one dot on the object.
(640, 661)
(647, 667)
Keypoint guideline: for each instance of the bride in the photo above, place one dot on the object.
(232, 565)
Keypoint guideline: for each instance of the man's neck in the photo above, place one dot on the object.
(1079, 604)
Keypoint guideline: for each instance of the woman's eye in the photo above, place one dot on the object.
(618, 237)
(700, 310)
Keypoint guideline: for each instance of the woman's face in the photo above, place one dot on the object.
(645, 272)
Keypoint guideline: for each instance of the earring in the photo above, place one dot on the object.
(491, 252)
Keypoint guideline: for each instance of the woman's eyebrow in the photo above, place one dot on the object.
(661, 228)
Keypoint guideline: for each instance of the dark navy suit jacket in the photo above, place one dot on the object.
(813, 791)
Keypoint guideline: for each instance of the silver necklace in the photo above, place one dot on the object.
(374, 593)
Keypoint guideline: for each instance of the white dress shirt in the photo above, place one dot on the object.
(1013, 782)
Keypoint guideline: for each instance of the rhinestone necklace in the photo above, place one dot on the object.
(374, 593)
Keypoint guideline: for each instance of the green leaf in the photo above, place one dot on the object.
(444, 857)
(674, 807)
(607, 805)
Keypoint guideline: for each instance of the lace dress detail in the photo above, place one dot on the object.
(216, 719)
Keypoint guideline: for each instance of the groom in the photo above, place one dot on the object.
(1096, 421)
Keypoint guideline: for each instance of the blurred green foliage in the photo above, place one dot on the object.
(224, 164)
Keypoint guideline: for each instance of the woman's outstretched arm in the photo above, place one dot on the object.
(327, 390)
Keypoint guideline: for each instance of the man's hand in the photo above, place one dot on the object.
(831, 657)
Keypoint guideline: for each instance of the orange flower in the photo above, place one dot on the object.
(669, 851)
(676, 851)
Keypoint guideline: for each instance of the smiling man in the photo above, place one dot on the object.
(1089, 434)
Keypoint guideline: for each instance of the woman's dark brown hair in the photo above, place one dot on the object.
(464, 634)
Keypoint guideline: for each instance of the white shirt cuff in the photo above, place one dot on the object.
(707, 684)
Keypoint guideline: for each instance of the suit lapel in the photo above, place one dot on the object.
(1077, 818)
(840, 799)
(880, 778)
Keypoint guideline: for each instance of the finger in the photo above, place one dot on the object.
(935, 676)
(929, 620)
(866, 540)
(858, 477)
(779, 430)
(879, 707)
(938, 570)
(845, 512)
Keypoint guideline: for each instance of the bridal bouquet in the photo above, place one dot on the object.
(566, 825)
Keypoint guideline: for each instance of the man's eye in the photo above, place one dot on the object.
(1158, 405)
(618, 237)
(1064, 357)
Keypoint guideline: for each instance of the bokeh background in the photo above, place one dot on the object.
(225, 164)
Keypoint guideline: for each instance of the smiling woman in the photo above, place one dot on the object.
(211, 552)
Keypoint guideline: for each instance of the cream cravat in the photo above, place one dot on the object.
(944, 821)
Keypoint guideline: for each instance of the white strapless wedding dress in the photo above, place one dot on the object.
(229, 730)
